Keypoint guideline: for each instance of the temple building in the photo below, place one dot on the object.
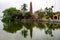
(56, 15)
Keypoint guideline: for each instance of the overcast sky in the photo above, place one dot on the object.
(37, 4)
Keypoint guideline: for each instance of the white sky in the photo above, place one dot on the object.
(37, 4)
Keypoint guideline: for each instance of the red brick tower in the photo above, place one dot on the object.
(31, 11)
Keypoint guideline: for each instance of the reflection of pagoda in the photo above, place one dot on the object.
(31, 11)
(31, 30)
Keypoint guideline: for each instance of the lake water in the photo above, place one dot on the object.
(29, 31)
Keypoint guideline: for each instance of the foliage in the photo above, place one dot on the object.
(12, 27)
(8, 13)
(49, 11)
(27, 15)
(41, 13)
(24, 7)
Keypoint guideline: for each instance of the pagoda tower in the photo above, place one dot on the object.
(31, 11)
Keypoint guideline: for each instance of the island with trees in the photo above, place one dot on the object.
(12, 14)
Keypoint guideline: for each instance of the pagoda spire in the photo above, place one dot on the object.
(31, 11)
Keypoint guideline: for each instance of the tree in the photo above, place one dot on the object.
(27, 15)
(10, 11)
(11, 14)
(41, 13)
(24, 7)
(49, 12)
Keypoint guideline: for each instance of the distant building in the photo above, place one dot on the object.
(56, 15)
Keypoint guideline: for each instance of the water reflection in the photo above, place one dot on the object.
(13, 27)
(24, 33)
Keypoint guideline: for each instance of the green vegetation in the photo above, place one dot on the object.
(41, 14)
(24, 7)
(49, 12)
(8, 14)
(12, 20)
(13, 14)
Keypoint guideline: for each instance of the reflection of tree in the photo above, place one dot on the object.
(50, 26)
(30, 27)
(24, 32)
(12, 27)
(56, 26)
(40, 26)
(49, 29)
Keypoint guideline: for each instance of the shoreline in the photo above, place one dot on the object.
(39, 20)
